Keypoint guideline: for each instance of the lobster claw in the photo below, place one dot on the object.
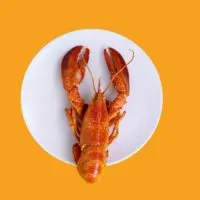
(73, 66)
(115, 62)
(72, 72)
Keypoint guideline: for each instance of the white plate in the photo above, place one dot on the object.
(43, 98)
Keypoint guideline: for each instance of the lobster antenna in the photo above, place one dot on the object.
(126, 65)
(99, 84)
(90, 75)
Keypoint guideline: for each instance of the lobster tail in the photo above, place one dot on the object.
(91, 163)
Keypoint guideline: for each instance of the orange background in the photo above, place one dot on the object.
(168, 166)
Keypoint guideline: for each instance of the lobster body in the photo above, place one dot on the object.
(94, 139)
(90, 123)
(94, 129)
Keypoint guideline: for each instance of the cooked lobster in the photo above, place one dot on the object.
(90, 123)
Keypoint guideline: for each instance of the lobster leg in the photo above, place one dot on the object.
(115, 130)
(73, 71)
(75, 121)
(71, 115)
(114, 120)
(76, 151)
(115, 62)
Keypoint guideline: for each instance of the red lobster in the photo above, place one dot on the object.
(90, 123)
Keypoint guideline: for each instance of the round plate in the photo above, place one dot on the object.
(43, 98)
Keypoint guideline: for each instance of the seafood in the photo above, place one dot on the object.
(90, 123)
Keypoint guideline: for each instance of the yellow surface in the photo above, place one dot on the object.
(167, 167)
